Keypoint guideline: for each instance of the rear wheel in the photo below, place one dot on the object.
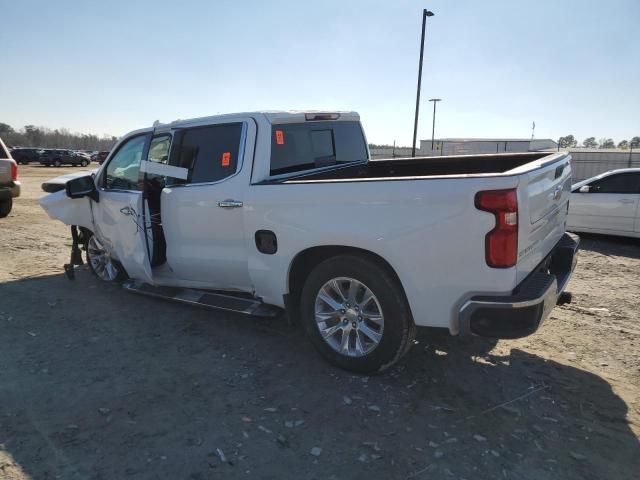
(57, 163)
(101, 264)
(356, 315)
(5, 207)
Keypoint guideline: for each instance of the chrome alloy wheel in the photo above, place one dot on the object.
(349, 317)
(100, 260)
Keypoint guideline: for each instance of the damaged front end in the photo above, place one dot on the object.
(75, 212)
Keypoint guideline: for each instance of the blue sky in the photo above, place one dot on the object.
(573, 66)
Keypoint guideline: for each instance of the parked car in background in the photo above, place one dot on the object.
(58, 157)
(24, 156)
(285, 209)
(101, 157)
(9, 184)
(608, 204)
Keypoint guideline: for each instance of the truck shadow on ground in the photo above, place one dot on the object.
(99, 383)
(610, 245)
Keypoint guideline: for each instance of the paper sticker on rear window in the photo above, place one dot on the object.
(226, 159)
(279, 137)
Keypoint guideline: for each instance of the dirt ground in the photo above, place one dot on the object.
(97, 383)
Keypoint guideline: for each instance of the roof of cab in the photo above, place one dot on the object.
(272, 116)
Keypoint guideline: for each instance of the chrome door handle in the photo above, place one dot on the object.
(229, 204)
(627, 200)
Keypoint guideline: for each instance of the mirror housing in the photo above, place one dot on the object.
(585, 189)
(82, 187)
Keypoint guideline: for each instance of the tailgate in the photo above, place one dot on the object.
(5, 171)
(543, 196)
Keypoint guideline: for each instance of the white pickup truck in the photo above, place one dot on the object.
(252, 211)
(9, 184)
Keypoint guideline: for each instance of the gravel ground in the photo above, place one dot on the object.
(102, 384)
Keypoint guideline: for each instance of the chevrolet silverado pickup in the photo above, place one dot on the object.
(258, 212)
(9, 184)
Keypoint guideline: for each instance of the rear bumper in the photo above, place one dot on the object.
(521, 313)
(10, 191)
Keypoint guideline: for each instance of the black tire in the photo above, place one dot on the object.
(83, 163)
(399, 329)
(5, 207)
(57, 163)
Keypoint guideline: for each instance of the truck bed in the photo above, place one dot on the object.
(427, 167)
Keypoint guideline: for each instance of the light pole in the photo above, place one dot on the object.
(433, 125)
(425, 13)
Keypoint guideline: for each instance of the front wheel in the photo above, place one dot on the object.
(5, 207)
(57, 163)
(101, 264)
(83, 163)
(356, 315)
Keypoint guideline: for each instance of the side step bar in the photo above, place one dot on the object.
(240, 303)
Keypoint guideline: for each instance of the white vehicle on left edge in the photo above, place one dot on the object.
(607, 204)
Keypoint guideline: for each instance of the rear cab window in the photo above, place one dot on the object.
(296, 147)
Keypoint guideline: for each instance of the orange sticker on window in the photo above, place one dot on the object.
(226, 159)
(279, 137)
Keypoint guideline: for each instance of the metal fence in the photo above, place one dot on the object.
(589, 163)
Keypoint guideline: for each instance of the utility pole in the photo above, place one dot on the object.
(425, 13)
(433, 122)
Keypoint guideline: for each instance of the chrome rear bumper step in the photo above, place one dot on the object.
(239, 303)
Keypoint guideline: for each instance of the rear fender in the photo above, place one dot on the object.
(70, 211)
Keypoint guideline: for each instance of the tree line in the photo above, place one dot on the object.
(42, 137)
(570, 142)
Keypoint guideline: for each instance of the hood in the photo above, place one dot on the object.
(58, 183)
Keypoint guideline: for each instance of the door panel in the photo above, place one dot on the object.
(119, 216)
(119, 225)
(205, 242)
(603, 211)
(205, 237)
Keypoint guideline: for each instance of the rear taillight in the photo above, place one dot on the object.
(14, 171)
(501, 243)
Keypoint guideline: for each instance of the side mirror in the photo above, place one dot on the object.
(82, 187)
(585, 189)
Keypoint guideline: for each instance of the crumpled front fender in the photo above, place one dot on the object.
(70, 211)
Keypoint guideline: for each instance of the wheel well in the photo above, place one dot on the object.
(307, 260)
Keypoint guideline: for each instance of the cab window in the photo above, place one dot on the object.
(304, 146)
(618, 183)
(210, 153)
(123, 169)
(159, 149)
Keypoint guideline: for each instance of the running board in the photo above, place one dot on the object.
(240, 303)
